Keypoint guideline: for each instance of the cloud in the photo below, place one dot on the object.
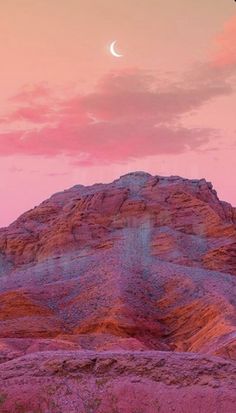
(30, 93)
(136, 94)
(225, 46)
(35, 114)
(105, 142)
(129, 115)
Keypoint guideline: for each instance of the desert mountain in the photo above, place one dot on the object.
(120, 298)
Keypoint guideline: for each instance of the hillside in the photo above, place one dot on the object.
(120, 298)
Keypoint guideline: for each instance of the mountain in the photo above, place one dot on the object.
(118, 298)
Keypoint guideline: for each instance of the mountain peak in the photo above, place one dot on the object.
(131, 281)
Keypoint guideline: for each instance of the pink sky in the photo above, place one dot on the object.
(71, 113)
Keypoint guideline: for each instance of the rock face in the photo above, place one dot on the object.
(120, 298)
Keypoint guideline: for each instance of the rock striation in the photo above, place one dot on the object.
(118, 298)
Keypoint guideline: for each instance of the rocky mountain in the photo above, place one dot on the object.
(120, 298)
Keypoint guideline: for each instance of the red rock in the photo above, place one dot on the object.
(120, 298)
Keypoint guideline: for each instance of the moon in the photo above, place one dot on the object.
(113, 51)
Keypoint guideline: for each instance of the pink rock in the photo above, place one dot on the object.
(120, 298)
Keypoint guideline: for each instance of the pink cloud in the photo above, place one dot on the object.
(104, 142)
(128, 116)
(34, 113)
(135, 94)
(30, 93)
(225, 54)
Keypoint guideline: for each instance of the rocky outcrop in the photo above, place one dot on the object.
(117, 382)
(120, 297)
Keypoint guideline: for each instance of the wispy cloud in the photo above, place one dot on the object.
(129, 115)
(224, 55)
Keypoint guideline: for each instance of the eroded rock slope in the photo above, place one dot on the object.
(120, 298)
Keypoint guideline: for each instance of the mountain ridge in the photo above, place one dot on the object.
(112, 272)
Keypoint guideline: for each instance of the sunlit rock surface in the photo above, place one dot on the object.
(120, 298)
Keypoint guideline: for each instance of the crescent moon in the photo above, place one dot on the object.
(113, 51)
